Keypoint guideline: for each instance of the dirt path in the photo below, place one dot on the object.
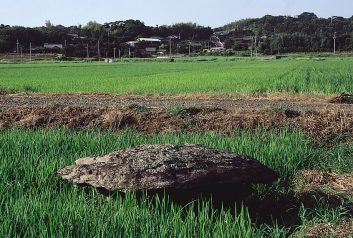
(120, 101)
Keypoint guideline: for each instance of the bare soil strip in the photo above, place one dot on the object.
(323, 126)
(225, 102)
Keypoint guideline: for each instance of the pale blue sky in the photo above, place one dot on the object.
(211, 13)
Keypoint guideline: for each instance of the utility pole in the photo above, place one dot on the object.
(87, 51)
(114, 52)
(30, 51)
(108, 45)
(17, 49)
(252, 46)
(119, 53)
(334, 42)
(170, 46)
(129, 52)
(65, 47)
(99, 52)
(189, 48)
(256, 45)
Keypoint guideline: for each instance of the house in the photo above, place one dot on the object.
(151, 40)
(73, 35)
(76, 36)
(195, 44)
(132, 43)
(37, 48)
(151, 50)
(217, 49)
(53, 46)
(161, 51)
(145, 46)
(147, 51)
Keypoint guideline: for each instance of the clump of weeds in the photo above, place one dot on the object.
(138, 108)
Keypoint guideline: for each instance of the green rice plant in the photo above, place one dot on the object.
(338, 159)
(221, 76)
(30, 89)
(35, 202)
(322, 214)
(4, 91)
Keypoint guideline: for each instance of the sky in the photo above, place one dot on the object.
(160, 12)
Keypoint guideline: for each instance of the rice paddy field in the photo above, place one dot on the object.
(205, 75)
(36, 202)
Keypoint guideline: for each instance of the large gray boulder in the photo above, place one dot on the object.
(156, 167)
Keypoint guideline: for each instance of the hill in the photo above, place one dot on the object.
(282, 34)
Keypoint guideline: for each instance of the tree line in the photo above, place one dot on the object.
(283, 34)
(111, 34)
(274, 34)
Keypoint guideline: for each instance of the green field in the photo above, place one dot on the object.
(203, 75)
(35, 202)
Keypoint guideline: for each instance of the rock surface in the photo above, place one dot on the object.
(154, 167)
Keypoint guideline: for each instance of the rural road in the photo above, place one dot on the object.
(119, 101)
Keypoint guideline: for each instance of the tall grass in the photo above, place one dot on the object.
(323, 214)
(35, 202)
(219, 76)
